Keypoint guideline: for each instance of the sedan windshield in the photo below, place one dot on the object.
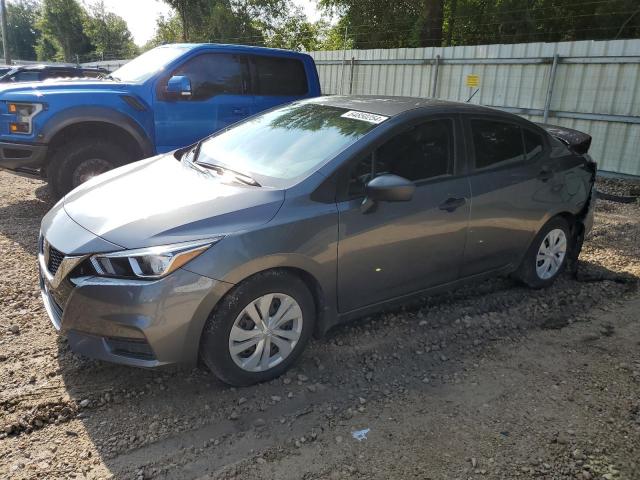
(146, 65)
(285, 143)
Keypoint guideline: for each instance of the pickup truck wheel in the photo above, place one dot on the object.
(74, 164)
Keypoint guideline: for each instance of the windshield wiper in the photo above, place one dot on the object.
(220, 169)
(111, 77)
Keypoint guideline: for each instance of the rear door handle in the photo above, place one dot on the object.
(239, 111)
(452, 204)
(545, 174)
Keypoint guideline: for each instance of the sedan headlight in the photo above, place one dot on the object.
(151, 262)
(24, 113)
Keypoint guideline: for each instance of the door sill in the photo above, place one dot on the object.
(410, 298)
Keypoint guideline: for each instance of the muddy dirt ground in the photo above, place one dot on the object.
(493, 381)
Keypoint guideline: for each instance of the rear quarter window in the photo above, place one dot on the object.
(279, 76)
(533, 143)
(496, 142)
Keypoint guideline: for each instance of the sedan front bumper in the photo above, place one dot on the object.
(133, 322)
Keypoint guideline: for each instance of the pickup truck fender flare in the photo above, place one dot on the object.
(79, 115)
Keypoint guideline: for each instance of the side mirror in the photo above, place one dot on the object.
(179, 85)
(387, 188)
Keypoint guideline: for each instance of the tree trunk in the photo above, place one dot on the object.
(431, 19)
(183, 16)
(452, 22)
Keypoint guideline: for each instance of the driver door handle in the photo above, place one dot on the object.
(452, 204)
(545, 174)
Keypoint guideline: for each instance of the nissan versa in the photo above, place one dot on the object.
(237, 249)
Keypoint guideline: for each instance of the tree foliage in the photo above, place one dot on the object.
(62, 23)
(67, 30)
(108, 33)
(22, 33)
(274, 23)
(417, 23)
(63, 30)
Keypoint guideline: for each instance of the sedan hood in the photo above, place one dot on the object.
(161, 200)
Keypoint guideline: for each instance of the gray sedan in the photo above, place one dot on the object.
(236, 250)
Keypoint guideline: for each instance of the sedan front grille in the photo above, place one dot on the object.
(55, 259)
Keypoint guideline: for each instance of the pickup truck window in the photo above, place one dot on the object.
(148, 64)
(279, 76)
(213, 74)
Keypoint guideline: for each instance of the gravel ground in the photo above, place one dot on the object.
(492, 381)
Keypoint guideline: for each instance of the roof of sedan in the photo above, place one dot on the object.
(390, 106)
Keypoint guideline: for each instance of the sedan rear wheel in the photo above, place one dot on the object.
(551, 254)
(259, 328)
(547, 255)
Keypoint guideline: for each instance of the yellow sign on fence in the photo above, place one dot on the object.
(473, 80)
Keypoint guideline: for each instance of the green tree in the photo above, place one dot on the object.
(514, 21)
(381, 24)
(47, 49)
(295, 32)
(108, 33)
(22, 33)
(168, 30)
(62, 22)
(234, 21)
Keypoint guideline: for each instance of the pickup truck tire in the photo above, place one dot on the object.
(77, 162)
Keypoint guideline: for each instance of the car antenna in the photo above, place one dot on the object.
(472, 95)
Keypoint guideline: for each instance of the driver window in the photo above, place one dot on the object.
(213, 74)
(422, 152)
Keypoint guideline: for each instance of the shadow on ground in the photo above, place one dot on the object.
(148, 418)
(20, 221)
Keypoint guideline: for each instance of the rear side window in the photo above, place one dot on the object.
(58, 74)
(27, 76)
(213, 74)
(533, 144)
(496, 142)
(279, 76)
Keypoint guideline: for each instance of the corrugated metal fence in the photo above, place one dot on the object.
(590, 86)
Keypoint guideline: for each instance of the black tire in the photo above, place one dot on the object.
(72, 162)
(214, 343)
(527, 273)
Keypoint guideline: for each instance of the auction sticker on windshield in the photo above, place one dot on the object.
(367, 117)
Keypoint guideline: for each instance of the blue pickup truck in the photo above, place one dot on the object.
(169, 97)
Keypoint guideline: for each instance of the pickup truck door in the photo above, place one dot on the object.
(220, 96)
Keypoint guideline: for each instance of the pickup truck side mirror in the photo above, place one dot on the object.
(179, 85)
(387, 188)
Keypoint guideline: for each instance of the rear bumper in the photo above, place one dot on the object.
(22, 158)
(588, 218)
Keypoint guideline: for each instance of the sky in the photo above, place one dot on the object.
(141, 15)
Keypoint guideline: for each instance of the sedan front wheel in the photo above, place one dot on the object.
(259, 329)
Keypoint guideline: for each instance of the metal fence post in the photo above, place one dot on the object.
(351, 67)
(552, 79)
(434, 85)
(344, 60)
